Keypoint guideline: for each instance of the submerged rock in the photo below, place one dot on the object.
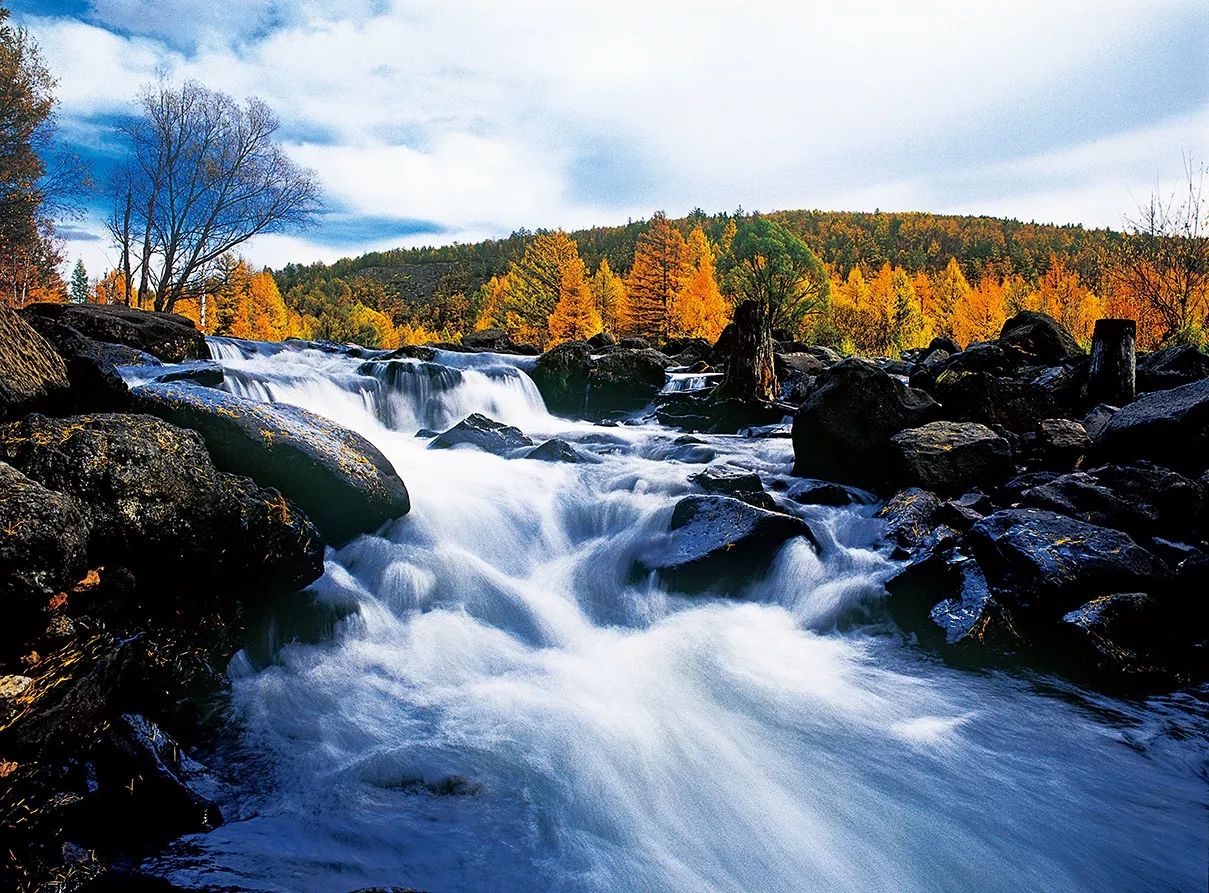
(730, 480)
(341, 480)
(715, 542)
(842, 432)
(950, 457)
(169, 337)
(554, 450)
(207, 374)
(482, 433)
(32, 374)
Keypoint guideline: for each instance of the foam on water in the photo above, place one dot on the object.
(509, 708)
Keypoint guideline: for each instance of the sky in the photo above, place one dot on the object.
(434, 121)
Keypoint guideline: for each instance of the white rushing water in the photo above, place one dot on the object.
(507, 708)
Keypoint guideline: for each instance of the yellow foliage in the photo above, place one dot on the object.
(698, 309)
(575, 317)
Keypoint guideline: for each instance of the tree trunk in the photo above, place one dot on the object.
(1112, 373)
(750, 374)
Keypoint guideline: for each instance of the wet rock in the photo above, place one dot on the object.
(966, 510)
(1168, 427)
(950, 456)
(991, 400)
(206, 374)
(1061, 443)
(703, 412)
(910, 517)
(799, 364)
(92, 372)
(688, 351)
(43, 550)
(730, 480)
(842, 432)
(482, 433)
(167, 336)
(147, 787)
(1129, 633)
(1142, 499)
(411, 352)
(626, 379)
(494, 340)
(153, 502)
(821, 493)
(1039, 338)
(32, 374)
(1046, 564)
(1171, 367)
(341, 480)
(976, 617)
(561, 375)
(1097, 420)
(554, 451)
(716, 541)
(635, 343)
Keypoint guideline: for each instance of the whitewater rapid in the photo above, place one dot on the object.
(499, 704)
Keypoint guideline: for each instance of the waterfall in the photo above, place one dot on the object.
(506, 706)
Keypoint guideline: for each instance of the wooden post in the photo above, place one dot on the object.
(1112, 374)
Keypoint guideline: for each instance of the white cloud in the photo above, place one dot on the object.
(483, 116)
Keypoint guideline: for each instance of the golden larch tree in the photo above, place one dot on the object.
(575, 317)
(612, 302)
(980, 316)
(534, 285)
(658, 273)
(698, 309)
(949, 289)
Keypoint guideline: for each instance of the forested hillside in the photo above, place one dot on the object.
(896, 279)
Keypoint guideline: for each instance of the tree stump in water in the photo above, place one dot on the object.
(1113, 370)
(750, 374)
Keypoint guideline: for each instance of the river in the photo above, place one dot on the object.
(504, 707)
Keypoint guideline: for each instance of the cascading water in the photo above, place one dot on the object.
(507, 709)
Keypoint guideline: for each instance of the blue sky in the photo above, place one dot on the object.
(443, 120)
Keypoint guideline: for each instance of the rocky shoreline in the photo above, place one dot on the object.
(1035, 523)
(139, 530)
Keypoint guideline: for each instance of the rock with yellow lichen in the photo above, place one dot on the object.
(341, 480)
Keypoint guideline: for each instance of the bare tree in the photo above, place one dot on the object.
(203, 176)
(1163, 260)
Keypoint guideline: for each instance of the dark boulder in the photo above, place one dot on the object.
(1171, 367)
(1060, 443)
(1127, 633)
(799, 364)
(975, 616)
(1097, 420)
(910, 517)
(482, 433)
(561, 375)
(32, 374)
(1142, 499)
(842, 432)
(635, 343)
(1040, 339)
(341, 480)
(167, 336)
(43, 550)
(1168, 427)
(705, 413)
(554, 451)
(146, 787)
(730, 480)
(626, 379)
(944, 343)
(496, 340)
(207, 374)
(821, 493)
(154, 503)
(601, 340)
(1045, 564)
(950, 457)
(991, 400)
(716, 542)
(92, 372)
